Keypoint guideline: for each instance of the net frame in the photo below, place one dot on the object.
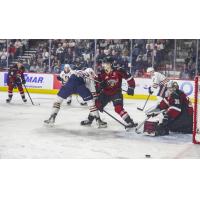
(196, 116)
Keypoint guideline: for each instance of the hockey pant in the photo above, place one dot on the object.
(117, 101)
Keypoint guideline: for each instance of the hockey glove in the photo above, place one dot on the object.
(150, 91)
(130, 91)
(103, 84)
(59, 78)
(152, 114)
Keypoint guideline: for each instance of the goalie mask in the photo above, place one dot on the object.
(172, 86)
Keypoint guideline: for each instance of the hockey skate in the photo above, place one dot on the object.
(100, 123)
(24, 100)
(88, 121)
(51, 119)
(83, 104)
(130, 123)
(8, 100)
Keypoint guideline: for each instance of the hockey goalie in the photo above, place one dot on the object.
(174, 113)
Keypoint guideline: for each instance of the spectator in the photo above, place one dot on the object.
(11, 51)
(18, 46)
(45, 56)
(60, 52)
(3, 57)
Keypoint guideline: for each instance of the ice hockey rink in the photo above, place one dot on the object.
(24, 135)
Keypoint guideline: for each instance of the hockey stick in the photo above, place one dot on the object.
(140, 125)
(28, 94)
(115, 119)
(141, 109)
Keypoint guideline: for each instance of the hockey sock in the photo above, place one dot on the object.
(10, 95)
(57, 104)
(93, 109)
(23, 96)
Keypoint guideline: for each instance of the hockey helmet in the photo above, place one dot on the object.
(107, 64)
(108, 59)
(67, 68)
(150, 69)
(172, 84)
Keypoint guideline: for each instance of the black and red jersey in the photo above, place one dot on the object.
(176, 103)
(113, 80)
(16, 74)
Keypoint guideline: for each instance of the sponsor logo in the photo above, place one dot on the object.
(5, 79)
(33, 79)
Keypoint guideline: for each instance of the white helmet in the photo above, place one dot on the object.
(67, 66)
(90, 72)
(150, 69)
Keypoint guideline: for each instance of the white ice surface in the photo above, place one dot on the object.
(23, 134)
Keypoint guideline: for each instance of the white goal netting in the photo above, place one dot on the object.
(196, 121)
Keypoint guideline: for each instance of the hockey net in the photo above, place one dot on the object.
(196, 119)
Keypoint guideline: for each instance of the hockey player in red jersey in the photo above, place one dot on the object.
(111, 89)
(16, 79)
(178, 115)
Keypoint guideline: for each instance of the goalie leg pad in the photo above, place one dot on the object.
(150, 128)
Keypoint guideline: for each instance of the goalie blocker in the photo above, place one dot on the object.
(177, 115)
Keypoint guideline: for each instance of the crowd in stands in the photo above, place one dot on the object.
(14, 49)
(134, 55)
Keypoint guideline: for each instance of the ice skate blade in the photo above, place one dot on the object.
(103, 126)
(150, 134)
(49, 123)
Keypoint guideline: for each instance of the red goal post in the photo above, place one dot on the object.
(196, 118)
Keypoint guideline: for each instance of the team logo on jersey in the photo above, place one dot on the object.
(112, 82)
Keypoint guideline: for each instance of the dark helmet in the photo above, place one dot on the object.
(173, 84)
(108, 59)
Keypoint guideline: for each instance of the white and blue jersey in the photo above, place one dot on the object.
(75, 85)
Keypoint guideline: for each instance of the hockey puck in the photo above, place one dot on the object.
(148, 156)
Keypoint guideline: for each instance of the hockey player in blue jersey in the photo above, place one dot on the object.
(63, 77)
(76, 85)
